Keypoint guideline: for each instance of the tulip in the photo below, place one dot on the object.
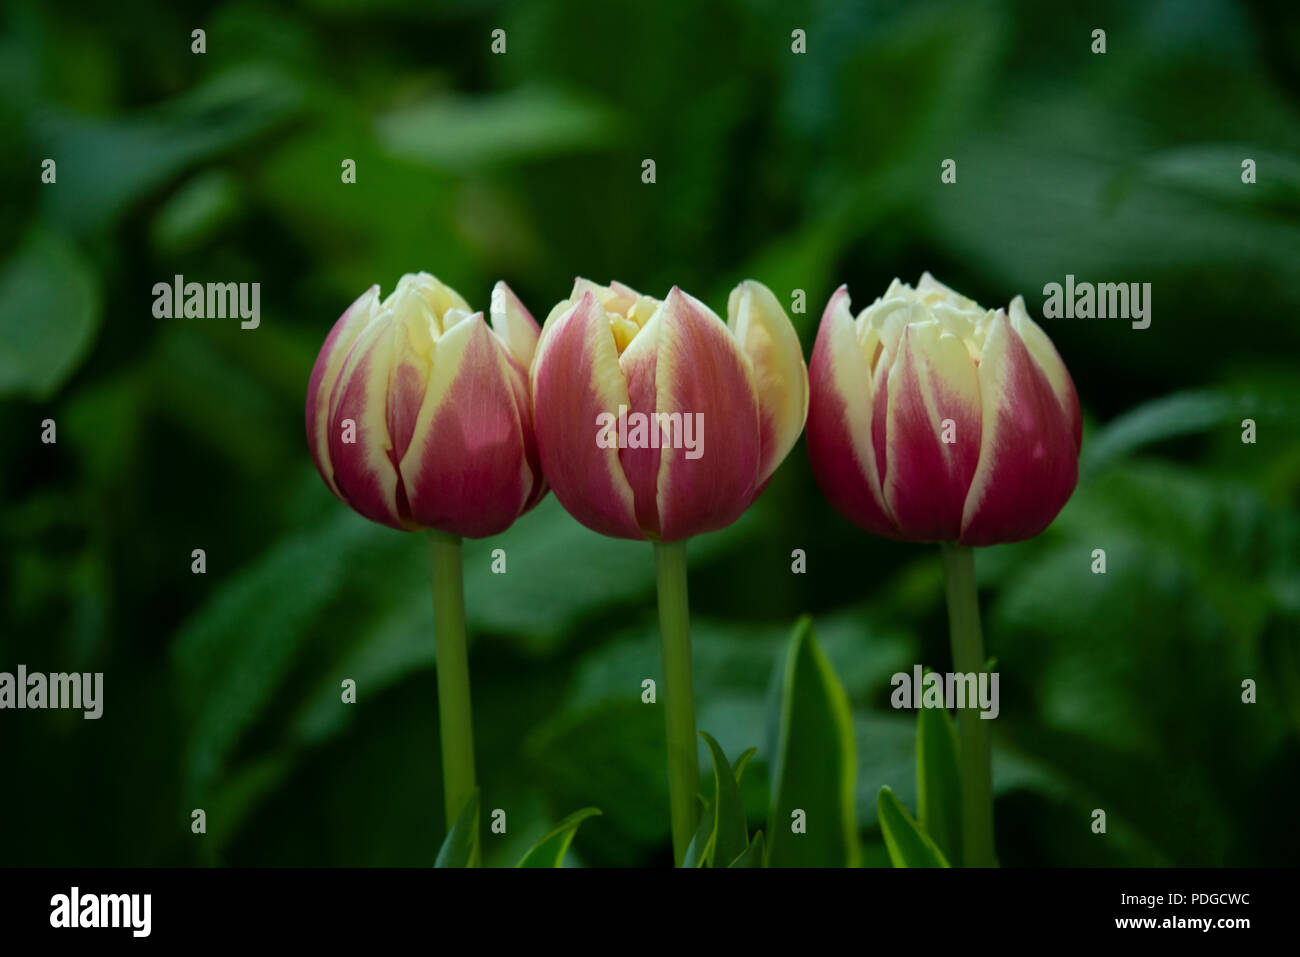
(418, 413)
(933, 419)
(738, 391)
(656, 421)
(419, 417)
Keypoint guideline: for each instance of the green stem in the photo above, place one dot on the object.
(678, 693)
(455, 722)
(972, 730)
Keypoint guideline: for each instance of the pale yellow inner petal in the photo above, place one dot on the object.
(880, 326)
(425, 308)
(627, 310)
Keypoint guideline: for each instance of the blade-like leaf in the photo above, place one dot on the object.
(700, 851)
(813, 766)
(938, 780)
(731, 833)
(738, 766)
(908, 845)
(460, 847)
(550, 850)
(752, 855)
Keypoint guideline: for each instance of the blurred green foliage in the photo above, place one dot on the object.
(1119, 691)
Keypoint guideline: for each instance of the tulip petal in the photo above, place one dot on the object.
(1029, 450)
(611, 298)
(413, 326)
(466, 471)
(1041, 348)
(840, 414)
(437, 294)
(641, 460)
(765, 335)
(358, 438)
(514, 324)
(575, 379)
(933, 426)
(325, 373)
(702, 374)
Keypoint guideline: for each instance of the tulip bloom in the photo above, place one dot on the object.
(933, 419)
(418, 416)
(418, 413)
(703, 411)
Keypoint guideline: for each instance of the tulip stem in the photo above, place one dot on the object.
(455, 724)
(973, 731)
(679, 693)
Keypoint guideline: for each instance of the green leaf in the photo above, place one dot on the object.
(699, 853)
(524, 124)
(550, 850)
(111, 164)
(730, 830)
(814, 763)
(738, 766)
(238, 649)
(908, 845)
(938, 780)
(195, 213)
(460, 847)
(49, 314)
(752, 856)
(1182, 413)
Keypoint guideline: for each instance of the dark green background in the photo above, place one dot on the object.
(1119, 692)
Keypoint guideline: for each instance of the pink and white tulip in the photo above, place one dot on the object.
(418, 411)
(933, 419)
(607, 350)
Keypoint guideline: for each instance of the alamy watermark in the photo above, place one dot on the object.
(958, 690)
(75, 909)
(214, 300)
(651, 430)
(80, 690)
(1103, 300)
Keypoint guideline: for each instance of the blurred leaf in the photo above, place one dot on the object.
(462, 133)
(752, 856)
(49, 314)
(550, 850)
(399, 642)
(548, 596)
(1184, 413)
(195, 213)
(107, 165)
(886, 754)
(190, 365)
(938, 781)
(813, 768)
(908, 845)
(1214, 172)
(461, 846)
(613, 755)
(250, 631)
(1193, 566)
(232, 656)
(731, 834)
(229, 806)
